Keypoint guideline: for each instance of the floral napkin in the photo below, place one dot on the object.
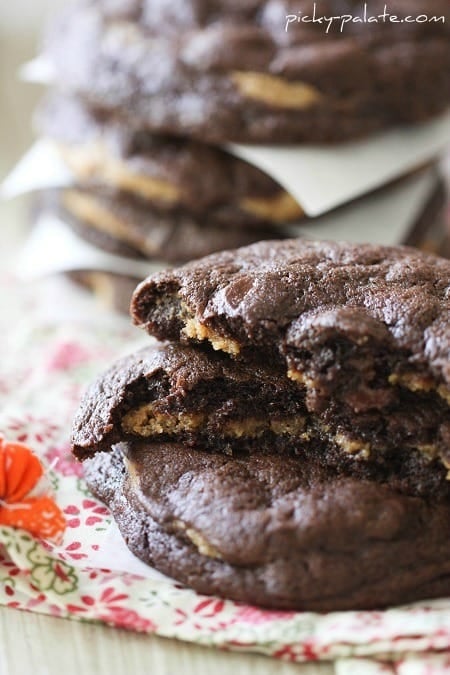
(53, 342)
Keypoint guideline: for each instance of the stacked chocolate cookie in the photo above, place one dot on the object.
(147, 197)
(144, 91)
(240, 71)
(288, 443)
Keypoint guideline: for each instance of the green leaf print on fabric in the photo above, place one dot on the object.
(49, 574)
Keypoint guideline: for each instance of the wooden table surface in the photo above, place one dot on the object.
(40, 645)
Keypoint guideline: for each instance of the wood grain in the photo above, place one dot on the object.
(41, 645)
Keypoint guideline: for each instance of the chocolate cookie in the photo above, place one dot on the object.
(241, 72)
(316, 433)
(120, 224)
(205, 400)
(167, 175)
(431, 231)
(127, 227)
(182, 394)
(274, 532)
(364, 332)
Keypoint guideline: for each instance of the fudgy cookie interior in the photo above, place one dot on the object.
(181, 394)
(362, 331)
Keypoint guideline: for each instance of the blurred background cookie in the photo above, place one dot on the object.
(245, 73)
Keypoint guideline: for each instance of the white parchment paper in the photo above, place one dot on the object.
(322, 178)
(382, 218)
(53, 247)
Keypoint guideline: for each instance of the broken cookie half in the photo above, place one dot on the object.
(181, 394)
(362, 330)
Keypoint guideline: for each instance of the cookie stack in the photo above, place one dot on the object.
(148, 95)
(287, 444)
(156, 198)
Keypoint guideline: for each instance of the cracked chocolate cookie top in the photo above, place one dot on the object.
(228, 71)
(294, 297)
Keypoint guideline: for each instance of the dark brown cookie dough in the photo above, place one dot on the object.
(431, 230)
(182, 394)
(430, 233)
(363, 330)
(166, 174)
(274, 532)
(233, 73)
(130, 228)
(143, 235)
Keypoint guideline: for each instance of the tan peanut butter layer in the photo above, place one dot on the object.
(94, 163)
(298, 376)
(200, 542)
(429, 451)
(279, 209)
(103, 287)
(113, 290)
(197, 331)
(147, 421)
(133, 229)
(89, 209)
(412, 381)
(353, 447)
(275, 91)
(416, 383)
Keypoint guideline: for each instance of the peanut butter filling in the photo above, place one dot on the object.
(291, 426)
(444, 392)
(93, 162)
(280, 209)
(447, 466)
(428, 450)
(352, 447)
(298, 376)
(410, 381)
(200, 542)
(88, 209)
(146, 421)
(197, 331)
(275, 91)
(416, 383)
